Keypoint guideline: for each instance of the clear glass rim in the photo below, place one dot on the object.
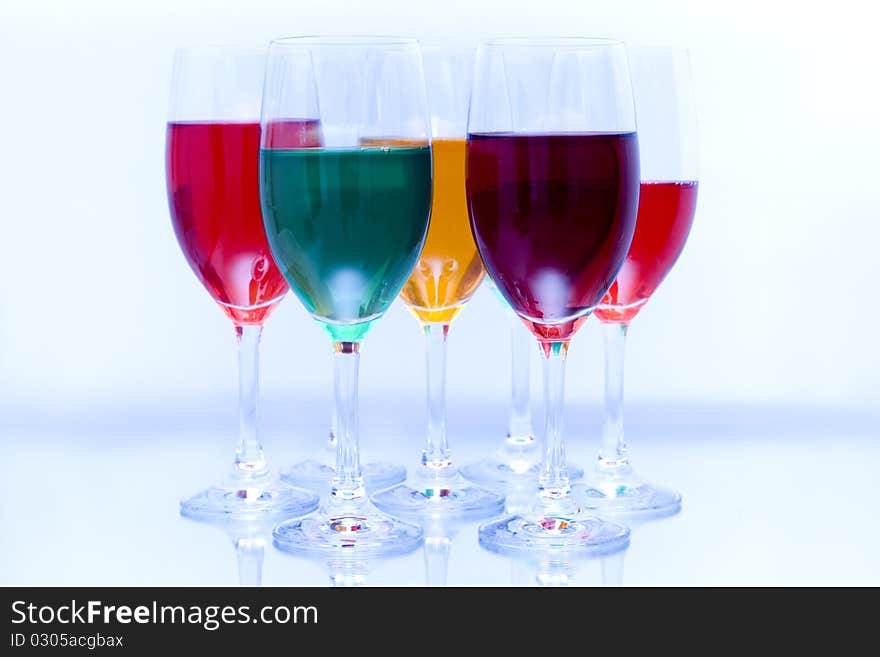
(312, 40)
(569, 42)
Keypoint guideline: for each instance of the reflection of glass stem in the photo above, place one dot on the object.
(612, 570)
(559, 571)
(347, 572)
(436, 551)
(554, 573)
(519, 497)
(250, 551)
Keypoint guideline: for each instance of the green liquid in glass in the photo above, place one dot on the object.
(346, 227)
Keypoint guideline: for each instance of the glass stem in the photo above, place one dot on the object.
(613, 454)
(553, 482)
(249, 459)
(348, 483)
(436, 458)
(520, 431)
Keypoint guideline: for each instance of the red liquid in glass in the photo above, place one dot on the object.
(214, 196)
(553, 217)
(666, 211)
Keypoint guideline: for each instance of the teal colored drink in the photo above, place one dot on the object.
(346, 227)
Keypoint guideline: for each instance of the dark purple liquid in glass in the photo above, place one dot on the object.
(553, 217)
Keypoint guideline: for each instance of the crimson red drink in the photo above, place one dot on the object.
(553, 216)
(666, 211)
(214, 196)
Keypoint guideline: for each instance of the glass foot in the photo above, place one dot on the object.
(349, 531)
(449, 498)
(554, 527)
(627, 495)
(315, 475)
(248, 498)
(499, 472)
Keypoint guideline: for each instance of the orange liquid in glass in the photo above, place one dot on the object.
(449, 269)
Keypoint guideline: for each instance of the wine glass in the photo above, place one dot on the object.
(667, 201)
(447, 274)
(346, 222)
(212, 159)
(518, 459)
(552, 186)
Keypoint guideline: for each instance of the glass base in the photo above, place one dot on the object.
(315, 475)
(244, 498)
(627, 494)
(347, 531)
(555, 527)
(450, 498)
(499, 472)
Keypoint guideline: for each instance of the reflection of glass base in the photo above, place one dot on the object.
(555, 528)
(315, 475)
(627, 494)
(242, 498)
(449, 498)
(347, 530)
(498, 472)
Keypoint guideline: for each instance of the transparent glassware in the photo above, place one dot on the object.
(518, 458)
(447, 274)
(552, 182)
(668, 154)
(211, 163)
(346, 221)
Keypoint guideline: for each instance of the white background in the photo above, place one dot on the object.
(772, 303)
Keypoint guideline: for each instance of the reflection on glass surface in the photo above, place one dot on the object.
(345, 570)
(439, 537)
(553, 571)
(348, 572)
(249, 537)
(565, 568)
